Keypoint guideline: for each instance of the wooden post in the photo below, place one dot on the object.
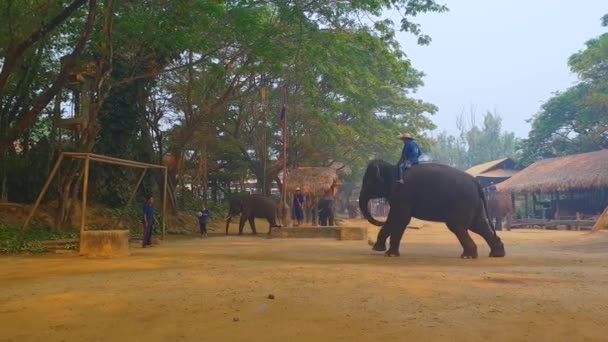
(557, 214)
(513, 209)
(526, 205)
(164, 204)
(43, 191)
(85, 189)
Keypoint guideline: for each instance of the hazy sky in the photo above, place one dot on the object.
(503, 55)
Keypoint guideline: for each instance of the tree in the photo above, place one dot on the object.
(187, 77)
(575, 120)
(475, 144)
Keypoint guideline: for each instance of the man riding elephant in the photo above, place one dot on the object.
(431, 192)
(410, 155)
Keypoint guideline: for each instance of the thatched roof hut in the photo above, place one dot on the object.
(564, 174)
(495, 171)
(312, 180)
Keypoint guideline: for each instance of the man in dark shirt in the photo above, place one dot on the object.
(298, 206)
(148, 222)
(203, 219)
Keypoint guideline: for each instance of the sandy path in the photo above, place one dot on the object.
(553, 286)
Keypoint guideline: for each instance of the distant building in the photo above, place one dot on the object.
(495, 171)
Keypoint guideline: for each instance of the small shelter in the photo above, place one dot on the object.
(315, 183)
(565, 188)
(495, 171)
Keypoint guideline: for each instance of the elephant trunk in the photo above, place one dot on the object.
(363, 205)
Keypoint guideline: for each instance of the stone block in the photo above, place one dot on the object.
(104, 243)
(352, 233)
(306, 232)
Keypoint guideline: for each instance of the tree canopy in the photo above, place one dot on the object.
(203, 81)
(575, 120)
(475, 144)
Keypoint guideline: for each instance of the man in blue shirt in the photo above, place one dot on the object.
(410, 155)
(298, 206)
(148, 221)
(203, 219)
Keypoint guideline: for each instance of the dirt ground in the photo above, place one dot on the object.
(552, 286)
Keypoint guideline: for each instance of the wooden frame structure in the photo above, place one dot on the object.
(88, 158)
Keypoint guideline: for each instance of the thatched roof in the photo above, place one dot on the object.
(576, 172)
(498, 173)
(312, 180)
(478, 170)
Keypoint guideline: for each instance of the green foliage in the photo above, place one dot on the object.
(13, 240)
(185, 77)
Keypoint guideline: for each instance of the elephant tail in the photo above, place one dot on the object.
(484, 202)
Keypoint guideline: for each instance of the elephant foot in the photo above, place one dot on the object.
(497, 254)
(469, 255)
(379, 247)
(255, 233)
(392, 253)
(497, 250)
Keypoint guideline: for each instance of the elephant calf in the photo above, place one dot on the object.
(250, 207)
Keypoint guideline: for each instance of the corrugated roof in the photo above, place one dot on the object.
(481, 168)
(579, 171)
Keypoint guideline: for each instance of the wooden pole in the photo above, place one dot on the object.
(284, 188)
(164, 204)
(85, 189)
(602, 221)
(43, 191)
(133, 194)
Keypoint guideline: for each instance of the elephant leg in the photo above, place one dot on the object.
(242, 223)
(481, 227)
(396, 236)
(498, 224)
(380, 245)
(272, 223)
(469, 248)
(252, 224)
(228, 223)
(396, 222)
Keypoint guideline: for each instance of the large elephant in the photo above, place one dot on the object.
(250, 207)
(431, 192)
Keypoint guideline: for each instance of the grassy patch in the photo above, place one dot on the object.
(13, 240)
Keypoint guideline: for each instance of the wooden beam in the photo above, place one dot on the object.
(43, 191)
(112, 160)
(165, 190)
(85, 190)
